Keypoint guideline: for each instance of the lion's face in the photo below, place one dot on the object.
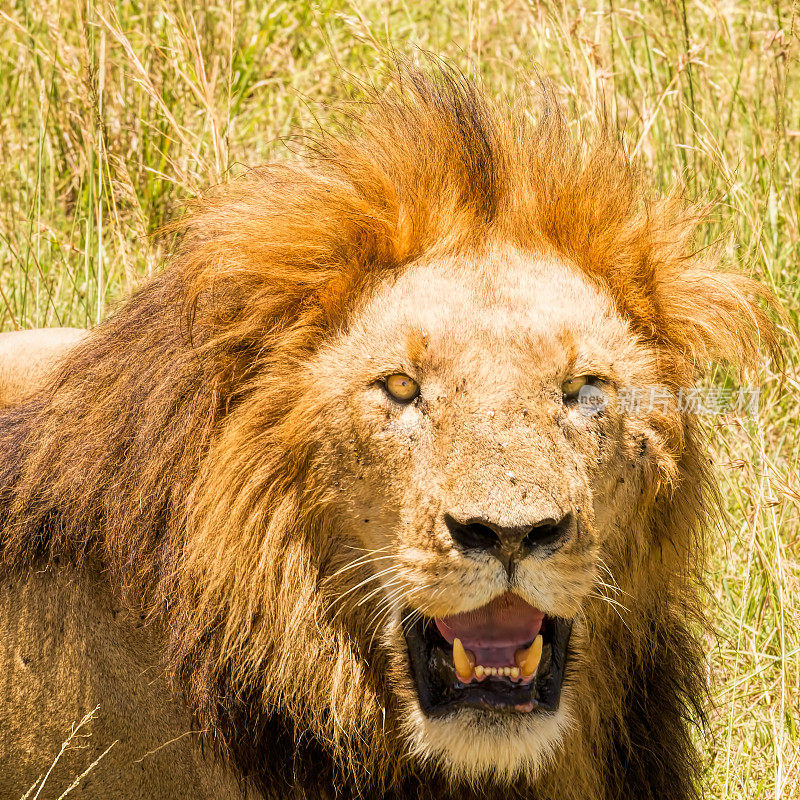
(485, 507)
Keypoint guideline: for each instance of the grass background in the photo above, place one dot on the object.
(115, 113)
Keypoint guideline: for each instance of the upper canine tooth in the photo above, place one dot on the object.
(464, 661)
(528, 658)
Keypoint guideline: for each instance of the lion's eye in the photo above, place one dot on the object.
(571, 387)
(401, 387)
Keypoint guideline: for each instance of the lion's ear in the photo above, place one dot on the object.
(714, 315)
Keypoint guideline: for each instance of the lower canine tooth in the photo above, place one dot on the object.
(464, 661)
(528, 658)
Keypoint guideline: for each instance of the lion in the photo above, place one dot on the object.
(323, 510)
(27, 356)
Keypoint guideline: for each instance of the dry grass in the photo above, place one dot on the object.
(115, 113)
(76, 740)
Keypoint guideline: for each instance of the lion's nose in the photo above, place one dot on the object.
(510, 544)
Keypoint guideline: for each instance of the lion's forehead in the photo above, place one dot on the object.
(491, 311)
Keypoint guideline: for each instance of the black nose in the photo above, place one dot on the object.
(510, 544)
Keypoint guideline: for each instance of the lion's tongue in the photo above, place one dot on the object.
(495, 631)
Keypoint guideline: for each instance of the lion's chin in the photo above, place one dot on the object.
(472, 745)
(506, 658)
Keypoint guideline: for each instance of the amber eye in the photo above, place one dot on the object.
(401, 387)
(571, 387)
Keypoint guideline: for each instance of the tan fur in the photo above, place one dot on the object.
(68, 648)
(224, 450)
(26, 357)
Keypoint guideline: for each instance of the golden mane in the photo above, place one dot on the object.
(173, 446)
(435, 167)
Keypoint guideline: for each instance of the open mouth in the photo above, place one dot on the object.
(505, 656)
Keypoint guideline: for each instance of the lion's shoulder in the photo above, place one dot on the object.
(61, 626)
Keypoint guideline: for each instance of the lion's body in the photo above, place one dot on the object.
(66, 648)
(26, 357)
(235, 516)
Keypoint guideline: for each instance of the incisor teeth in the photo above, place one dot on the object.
(528, 658)
(479, 671)
(463, 660)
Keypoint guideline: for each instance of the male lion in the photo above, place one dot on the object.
(319, 512)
